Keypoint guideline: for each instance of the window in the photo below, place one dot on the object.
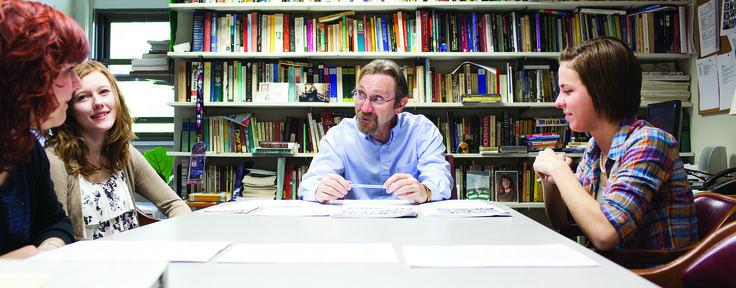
(121, 36)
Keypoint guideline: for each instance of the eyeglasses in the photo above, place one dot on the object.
(359, 96)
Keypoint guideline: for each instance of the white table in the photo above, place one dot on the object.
(238, 228)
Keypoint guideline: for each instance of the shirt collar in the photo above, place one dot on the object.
(625, 127)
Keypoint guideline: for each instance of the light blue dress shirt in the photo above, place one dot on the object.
(415, 148)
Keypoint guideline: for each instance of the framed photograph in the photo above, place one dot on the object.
(506, 186)
(478, 185)
(314, 92)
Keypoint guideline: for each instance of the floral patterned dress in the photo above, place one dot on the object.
(107, 207)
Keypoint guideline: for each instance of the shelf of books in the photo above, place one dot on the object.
(372, 6)
(314, 56)
(484, 72)
(275, 105)
(465, 155)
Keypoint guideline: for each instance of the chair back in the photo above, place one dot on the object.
(713, 210)
(715, 268)
(144, 219)
(709, 264)
(451, 160)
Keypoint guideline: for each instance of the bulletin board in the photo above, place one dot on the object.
(725, 48)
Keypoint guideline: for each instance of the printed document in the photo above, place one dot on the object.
(101, 250)
(245, 206)
(462, 208)
(708, 83)
(479, 256)
(311, 253)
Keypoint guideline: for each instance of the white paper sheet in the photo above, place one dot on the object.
(101, 250)
(80, 274)
(371, 202)
(708, 83)
(709, 40)
(462, 208)
(246, 206)
(311, 253)
(294, 211)
(477, 256)
(726, 79)
(390, 211)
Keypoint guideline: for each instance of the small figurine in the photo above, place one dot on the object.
(464, 147)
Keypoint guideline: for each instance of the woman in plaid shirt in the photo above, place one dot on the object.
(638, 196)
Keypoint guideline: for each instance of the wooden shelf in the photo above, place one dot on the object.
(363, 7)
(202, 204)
(312, 105)
(321, 56)
(456, 156)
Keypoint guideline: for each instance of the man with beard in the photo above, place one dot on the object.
(400, 155)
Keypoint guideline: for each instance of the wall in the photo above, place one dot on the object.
(83, 10)
(65, 6)
(710, 129)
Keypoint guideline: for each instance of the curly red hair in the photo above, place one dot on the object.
(35, 41)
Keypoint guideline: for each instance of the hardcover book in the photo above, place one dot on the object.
(276, 144)
(198, 31)
(211, 197)
(279, 151)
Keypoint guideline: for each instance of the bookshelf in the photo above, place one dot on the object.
(444, 62)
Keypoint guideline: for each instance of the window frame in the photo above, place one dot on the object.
(102, 31)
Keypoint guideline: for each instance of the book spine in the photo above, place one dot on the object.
(333, 83)
(273, 151)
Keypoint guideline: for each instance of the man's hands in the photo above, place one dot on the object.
(332, 187)
(406, 187)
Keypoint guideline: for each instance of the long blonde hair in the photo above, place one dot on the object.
(69, 144)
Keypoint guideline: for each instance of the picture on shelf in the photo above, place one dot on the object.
(272, 92)
(314, 92)
(506, 186)
(479, 185)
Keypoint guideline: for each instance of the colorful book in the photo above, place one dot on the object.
(361, 36)
(197, 31)
(279, 144)
(211, 197)
(280, 151)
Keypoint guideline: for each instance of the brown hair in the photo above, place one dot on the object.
(390, 68)
(499, 182)
(69, 144)
(35, 42)
(610, 72)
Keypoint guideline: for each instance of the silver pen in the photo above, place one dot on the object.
(377, 186)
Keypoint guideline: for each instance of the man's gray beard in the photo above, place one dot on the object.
(362, 126)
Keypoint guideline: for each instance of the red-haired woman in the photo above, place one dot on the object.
(95, 169)
(38, 49)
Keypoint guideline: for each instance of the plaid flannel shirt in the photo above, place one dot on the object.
(647, 197)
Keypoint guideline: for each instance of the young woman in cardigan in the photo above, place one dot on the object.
(95, 169)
